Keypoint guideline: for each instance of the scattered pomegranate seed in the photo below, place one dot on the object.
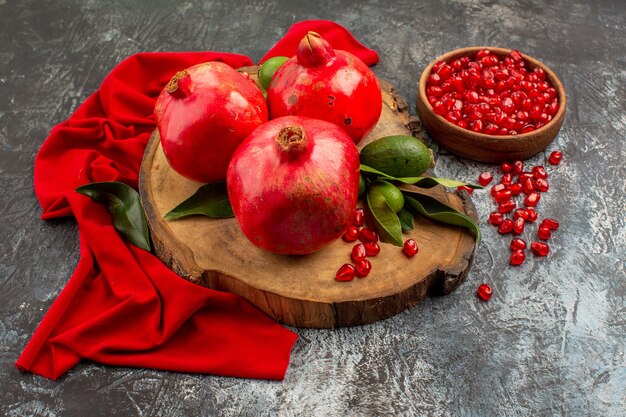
(544, 233)
(484, 178)
(518, 226)
(518, 244)
(503, 196)
(555, 157)
(505, 167)
(363, 268)
(532, 199)
(410, 248)
(359, 217)
(541, 185)
(505, 227)
(358, 252)
(520, 213)
(367, 235)
(517, 257)
(540, 172)
(346, 273)
(470, 190)
(539, 249)
(497, 188)
(518, 166)
(531, 214)
(372, 248)
(507, 179)
(549, 223)
(523, 176)
(496, 218)
(527, 186)
(484, 292)
(506, 206)
(516, 188)
(351, 234)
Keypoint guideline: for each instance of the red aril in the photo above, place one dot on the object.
(293, 184)
(503, 196)
(540, 172)
(518, 244)
(549, 223)
(541, 185)
(202, 115)
(363, 268)
(469, 190)
(410, 248)
(327, 84)
(532, 199)
(485, 178)
(358, 252)
(527, 186)
(518, 166)
(372, 248)
(507, 179)
(520, 213)
(497, 188)
(539, 249)
(505, 227)
(517, 257)
(506, 206)
(484, 292)
(515, 188)
(518, 226)
(544, 233)
(555, 157)
(531, 214)
(368, 235)
(351, 234)
(505, 167)
(496, 218)
(346, 273)
(359, 217)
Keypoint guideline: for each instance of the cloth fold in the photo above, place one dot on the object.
(123, 306)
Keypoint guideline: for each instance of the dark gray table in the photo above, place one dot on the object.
(550, 342)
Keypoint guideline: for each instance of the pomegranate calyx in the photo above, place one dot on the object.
(179, 85)
(291, 139)
(314, 51)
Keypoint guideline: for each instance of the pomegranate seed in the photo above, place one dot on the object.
(515, 189)
(372, 248)
(358, 252)
(527, 186)
(367, 235)
(496, 218)
(541, 185)
(505, 167)
(434, 79)
(518, 166)
(540, 172)
(484, 178)
(549, 223)
(544, 233)
(505, 227)
(555, 157)
(518, 226)
(506, 206)
(515, 55)
(497, 188)
(469, 190)
(532, 199)
(482, 53)
(531, 215)
(363, 268)
(520, 213)
(503, 196)
(484, 292)
(346, 273)
(507, 179)
(359, 217)
(517, 258)
(351, 234)
(462, 123)
(518, 244)
(523, 176)
(539, 248)
(410, 248)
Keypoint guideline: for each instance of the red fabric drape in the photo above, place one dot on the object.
(123, 306)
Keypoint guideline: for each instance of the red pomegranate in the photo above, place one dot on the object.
(326, 84)
(293, 184)
(203, 114)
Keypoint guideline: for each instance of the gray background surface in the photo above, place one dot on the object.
(550, 342)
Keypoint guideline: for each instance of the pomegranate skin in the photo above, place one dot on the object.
(326, 84)
(203, 114)
(293, 184)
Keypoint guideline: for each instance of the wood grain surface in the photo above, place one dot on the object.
(301, 290)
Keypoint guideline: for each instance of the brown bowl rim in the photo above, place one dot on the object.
(520, 137)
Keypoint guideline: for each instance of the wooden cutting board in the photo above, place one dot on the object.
(302, 290)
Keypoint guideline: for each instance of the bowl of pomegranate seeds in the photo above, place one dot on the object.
(490, 104)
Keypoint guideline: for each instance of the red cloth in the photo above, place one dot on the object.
(122, 306)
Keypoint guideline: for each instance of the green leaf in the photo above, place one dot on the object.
(386, 221)
(124, 204)
(422, 182)
(210, 200)
(406, 219)
(435, 210)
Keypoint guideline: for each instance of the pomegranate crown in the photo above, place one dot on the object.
(314, 51)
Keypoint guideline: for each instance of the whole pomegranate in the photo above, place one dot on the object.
(326, 84)
(203, 114)
(293, 184)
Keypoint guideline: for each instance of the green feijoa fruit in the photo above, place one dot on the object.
(362, 185)
(393, 195)
(268, 68)
(398, 156)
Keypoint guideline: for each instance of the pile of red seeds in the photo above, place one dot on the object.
(368, 247)
(527, 185)
(490, 94)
